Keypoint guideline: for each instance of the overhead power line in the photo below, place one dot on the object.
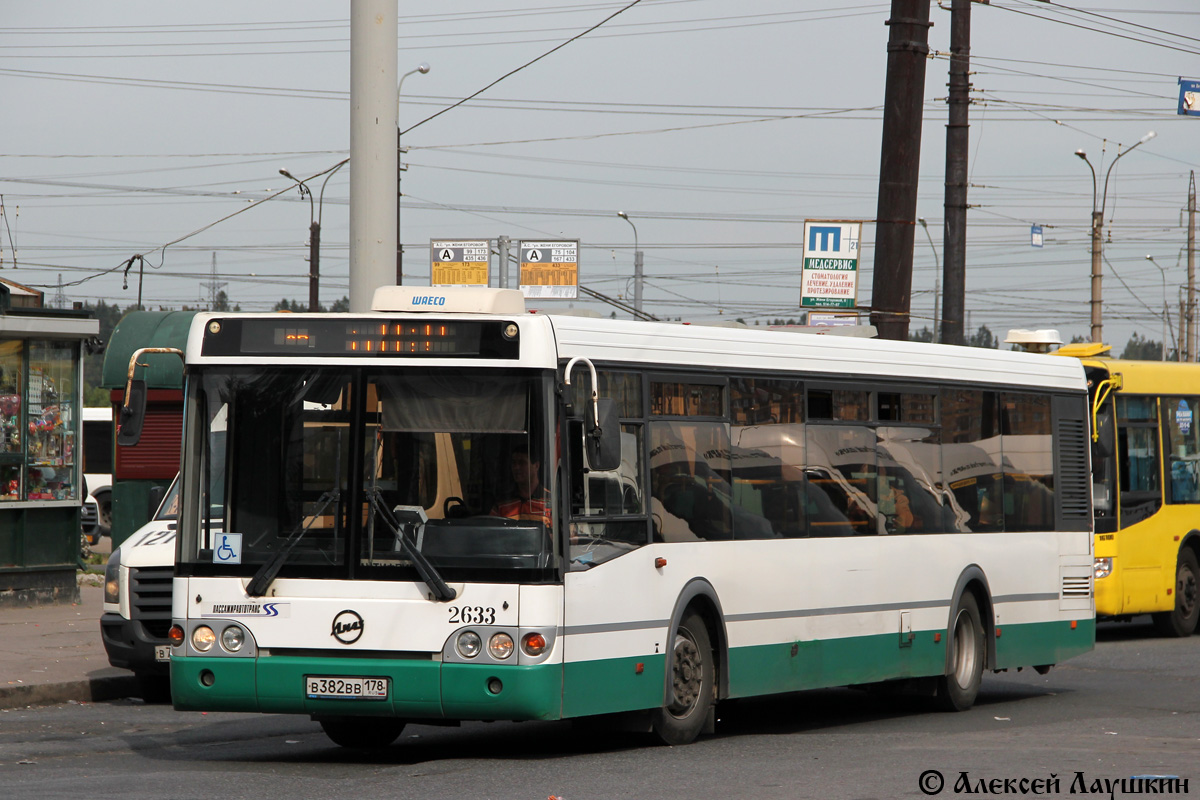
(527, 64)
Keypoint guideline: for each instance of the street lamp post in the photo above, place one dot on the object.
(314, 229)
(637, 264)
(1166, 308)
(422, 68)
(1097, 230)
(936, 279)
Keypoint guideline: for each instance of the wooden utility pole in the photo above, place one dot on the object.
(899, 167)
(954, 234)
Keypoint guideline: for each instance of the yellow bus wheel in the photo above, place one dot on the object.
(1182, 621)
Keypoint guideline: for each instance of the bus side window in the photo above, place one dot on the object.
(689, 464)
(1183, 456)
(1137, 452)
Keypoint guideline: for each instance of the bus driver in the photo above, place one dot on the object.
(532, 502)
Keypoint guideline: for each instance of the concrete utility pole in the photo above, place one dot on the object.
(899, 167)
(373, 42)
(502, 244)
(954, 236)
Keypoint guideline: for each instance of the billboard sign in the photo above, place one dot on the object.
(832, 319)
(1189, 97)
(830, 275)
(550, 270)
(459, 263)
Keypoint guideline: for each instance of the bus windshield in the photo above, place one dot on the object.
(347, 470)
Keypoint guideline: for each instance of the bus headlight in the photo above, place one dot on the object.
(500, 646)
(1102, 568)
(203, 638)
(469, 644)
(112, 579)
(232, 638)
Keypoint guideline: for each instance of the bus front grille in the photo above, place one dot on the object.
(150, 599)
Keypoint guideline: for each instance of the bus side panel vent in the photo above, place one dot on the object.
(1072, 481)
(1076, 589)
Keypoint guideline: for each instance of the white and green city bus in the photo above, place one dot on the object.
(450, 509)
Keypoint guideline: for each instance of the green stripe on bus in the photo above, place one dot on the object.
(791, 666)
(1034, 644)
(418, 689)
(430, 689)
(232, 687)
(609, 685)
(533, 692)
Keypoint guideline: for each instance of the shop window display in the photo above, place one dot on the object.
(38, 420)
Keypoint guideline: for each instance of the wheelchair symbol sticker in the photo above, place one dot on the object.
(228, 549)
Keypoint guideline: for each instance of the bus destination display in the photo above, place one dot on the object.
(361, 337)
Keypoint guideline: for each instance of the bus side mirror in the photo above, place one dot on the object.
(132, 414)
(604, 441)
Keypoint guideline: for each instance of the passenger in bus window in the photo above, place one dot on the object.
(532, 501)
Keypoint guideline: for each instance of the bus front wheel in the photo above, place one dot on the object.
(362, 733)
(1182, 620)
(692, 676)
(957, 689)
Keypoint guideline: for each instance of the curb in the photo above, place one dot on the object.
(117, 685)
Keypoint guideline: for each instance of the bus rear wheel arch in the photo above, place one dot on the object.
(1181, 621)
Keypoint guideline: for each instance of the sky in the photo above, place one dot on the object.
(138, 128)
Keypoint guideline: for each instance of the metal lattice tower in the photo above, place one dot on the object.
(60, 297)
(213, 285)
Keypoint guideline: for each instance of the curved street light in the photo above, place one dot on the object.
(314, 229)
(1097, 229)
(937, 275)
(637, 264)
(1166, 310)
(422, 68)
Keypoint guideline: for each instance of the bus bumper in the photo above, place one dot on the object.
(129, 645)
(418, 689)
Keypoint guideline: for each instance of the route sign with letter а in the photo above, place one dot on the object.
(459, 263)
(830, 276)
(550, 270)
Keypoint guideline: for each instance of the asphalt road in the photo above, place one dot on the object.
(1130, 708)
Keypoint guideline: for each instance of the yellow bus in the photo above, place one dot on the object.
(1145, 424)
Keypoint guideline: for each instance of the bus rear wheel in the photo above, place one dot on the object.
(692, 676)
(957, 689)
(1182, 620)
(362, 733)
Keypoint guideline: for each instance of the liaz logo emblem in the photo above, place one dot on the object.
(347, 627)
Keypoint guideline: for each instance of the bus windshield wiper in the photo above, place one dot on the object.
(426, 570)
(266, 574)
